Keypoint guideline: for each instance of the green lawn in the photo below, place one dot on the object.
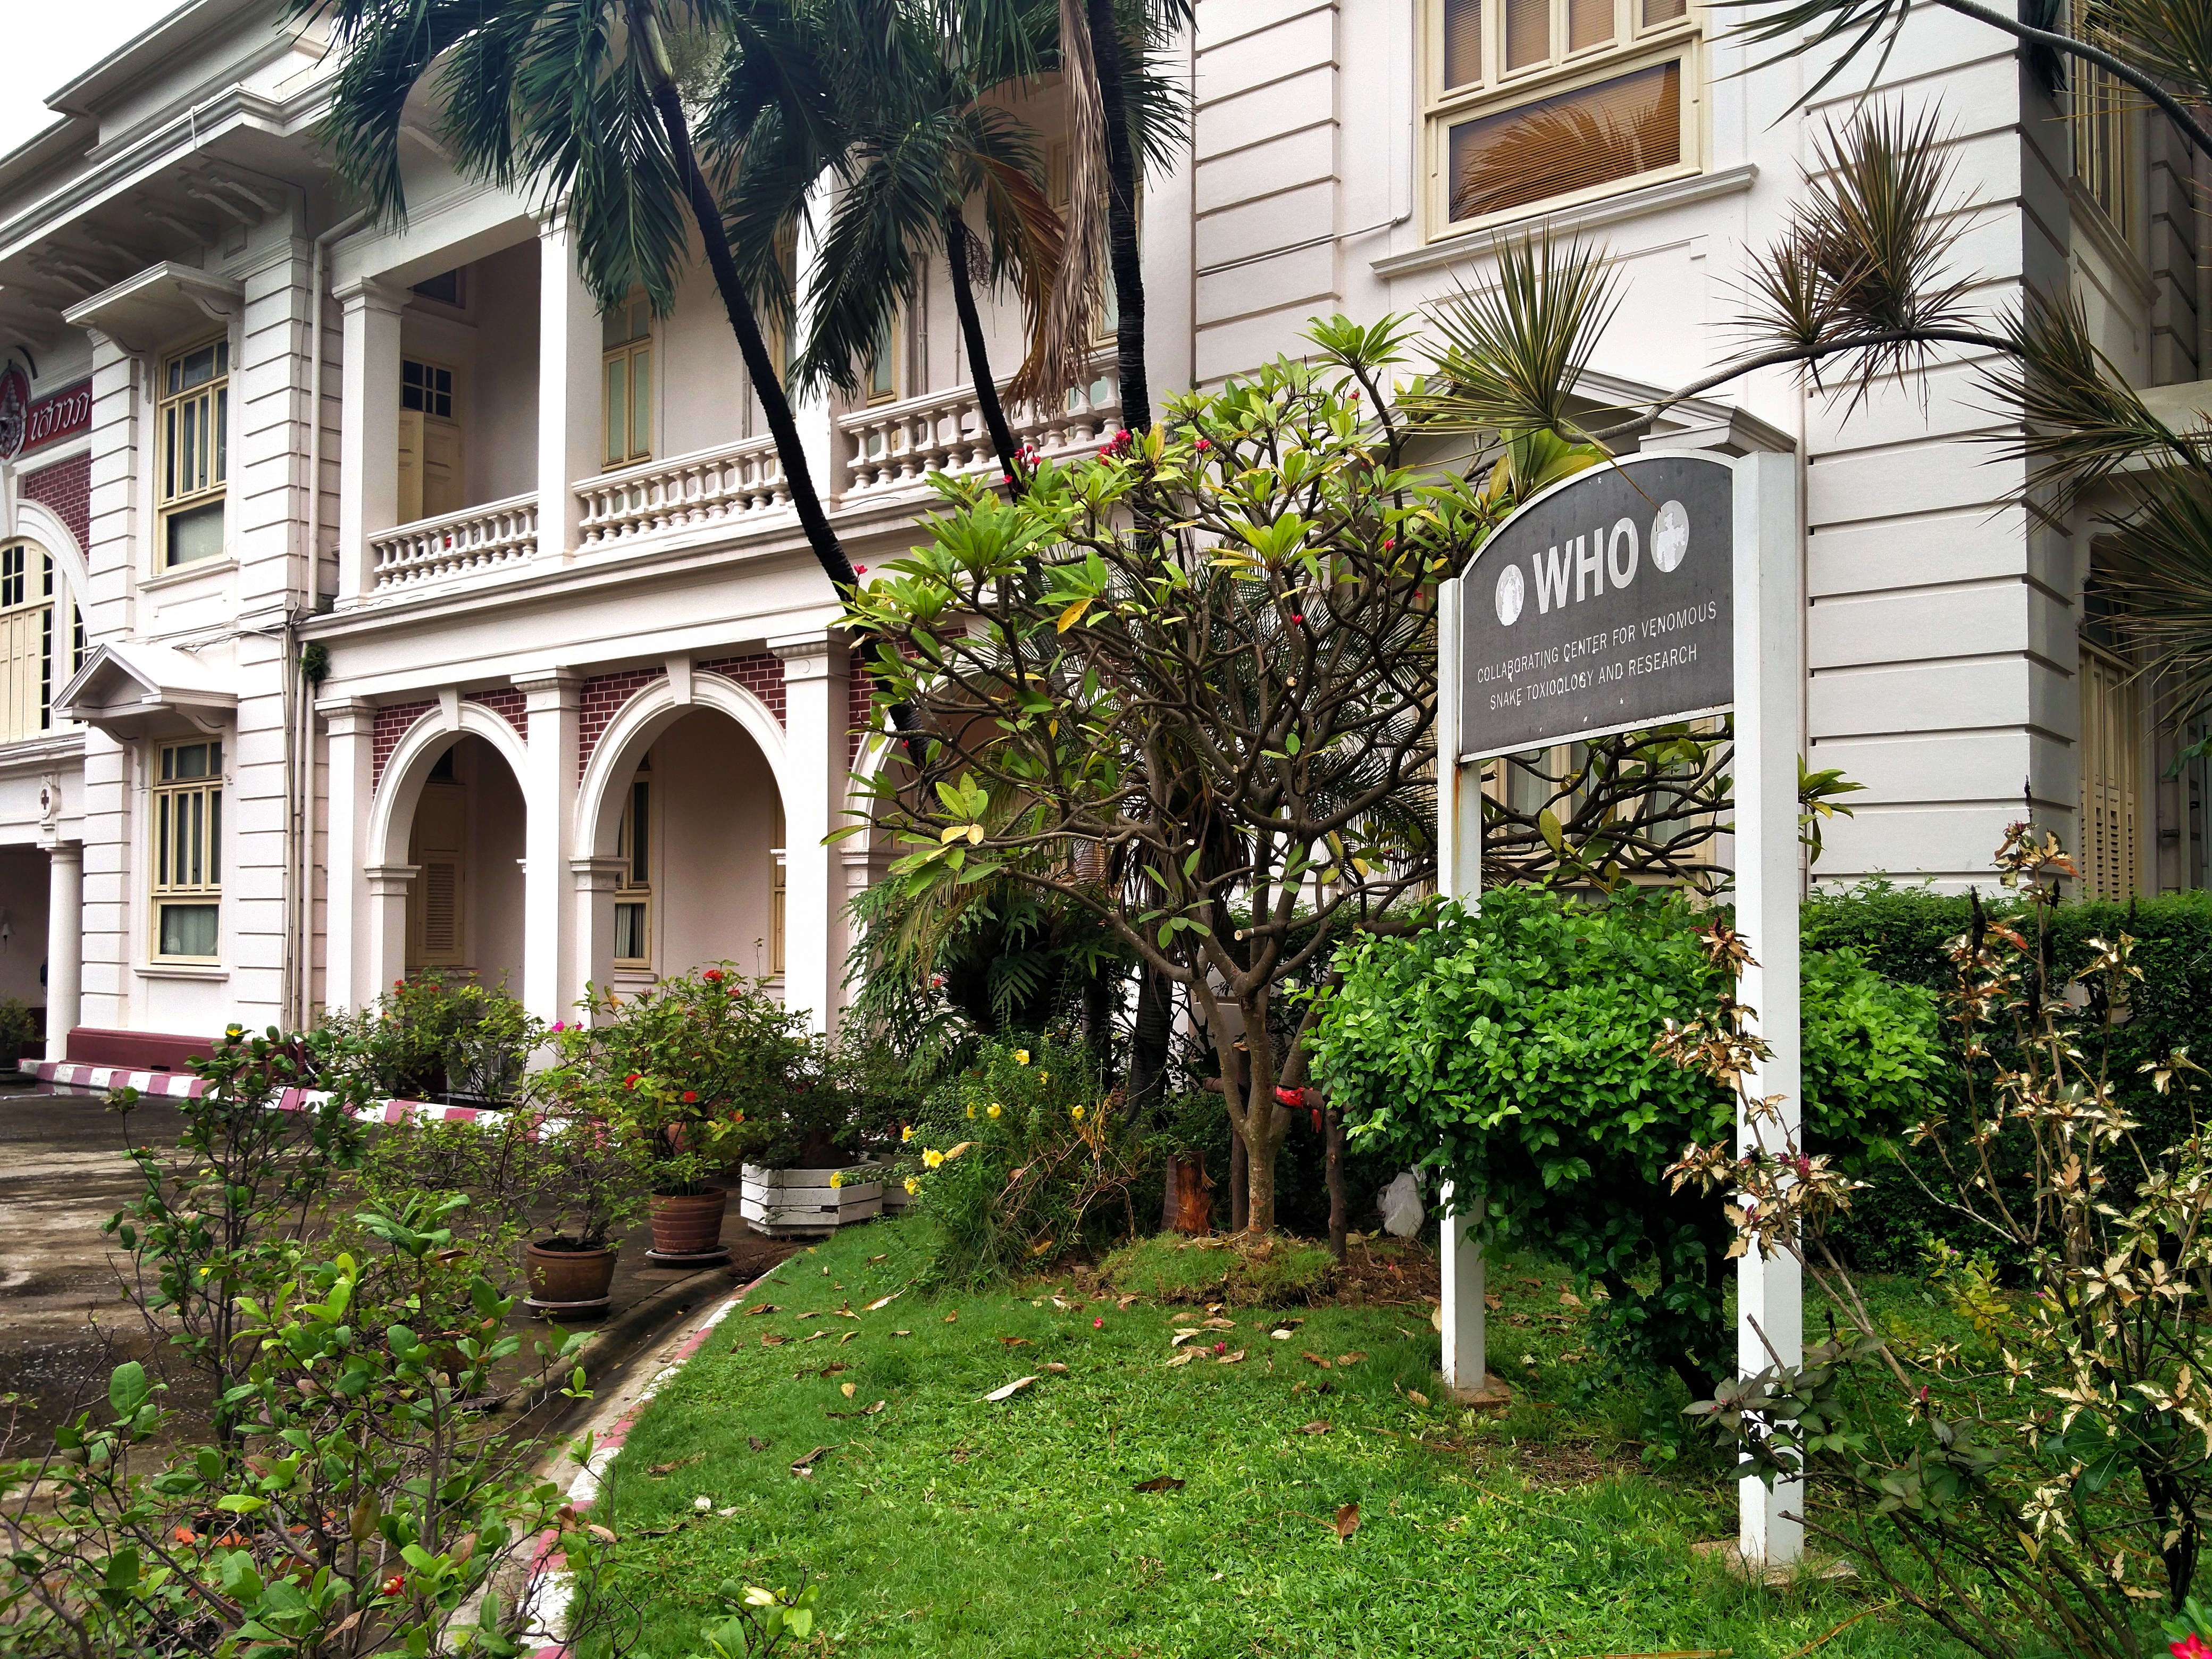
(944, 1524)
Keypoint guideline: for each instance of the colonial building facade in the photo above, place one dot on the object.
(370, 601)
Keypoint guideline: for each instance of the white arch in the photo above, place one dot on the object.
(37, 522)
(392, 816)
(630, 733)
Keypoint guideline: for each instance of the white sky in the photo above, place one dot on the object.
(46, 42)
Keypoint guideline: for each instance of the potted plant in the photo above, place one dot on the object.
(590, 1178)
(692, 1067)
(19, 1031)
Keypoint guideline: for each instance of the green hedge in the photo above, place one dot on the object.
(1904, 933)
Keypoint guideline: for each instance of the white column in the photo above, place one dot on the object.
(1459, 875)
(352, 726)
(569, 412)
(816, 718)
(384, 924)
(64, 943)
(592, 908)
(368, 444)
(1769, 1324)
(549, 986)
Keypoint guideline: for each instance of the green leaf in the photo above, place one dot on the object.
(128, 1389)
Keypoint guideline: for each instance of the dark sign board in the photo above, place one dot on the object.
(1604, 604)
(26, 424)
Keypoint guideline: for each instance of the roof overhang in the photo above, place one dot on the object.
(131, 691)
(161, 302)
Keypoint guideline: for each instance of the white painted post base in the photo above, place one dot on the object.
(1771, 1533)
(1465, 1335)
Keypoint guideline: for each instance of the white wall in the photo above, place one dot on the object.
(716, 802)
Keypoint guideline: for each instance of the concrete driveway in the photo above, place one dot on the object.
(64, 1324)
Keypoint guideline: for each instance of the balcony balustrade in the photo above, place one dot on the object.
(896, 447)
(714, 486)
(480, 538)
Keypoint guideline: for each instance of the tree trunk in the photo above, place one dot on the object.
(1240, 1183)
(1333, 1126)
(1149, 1041)
(1121, 217)
(979, 357)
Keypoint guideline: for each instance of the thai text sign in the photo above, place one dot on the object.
(1606, 604)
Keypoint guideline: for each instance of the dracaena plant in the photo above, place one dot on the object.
(2052, 1472)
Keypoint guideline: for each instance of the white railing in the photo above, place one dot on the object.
(430, 549)
(714, 486)
(895, 447)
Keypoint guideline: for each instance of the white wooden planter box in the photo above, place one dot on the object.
(786, 1203)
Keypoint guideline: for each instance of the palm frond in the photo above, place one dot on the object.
(1507, 356)
(2158, 560)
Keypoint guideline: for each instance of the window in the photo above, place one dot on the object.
(775, 897)
(426, 388)
(188, 851)
(437, 899)
(446, 289)
(2103, 123)
(634, 884)
(2112, 775)
(626, 334)
(883, 367)
(1555, 100)
(193, 424)
(28, 673)
(430, 472)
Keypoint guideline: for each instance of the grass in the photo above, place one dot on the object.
(948, 1525)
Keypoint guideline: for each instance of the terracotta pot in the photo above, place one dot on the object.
(568, 1278)
(689, 1225)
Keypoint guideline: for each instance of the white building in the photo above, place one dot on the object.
(583, 710)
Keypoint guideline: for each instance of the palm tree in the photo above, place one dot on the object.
(911, 136)
(581, 102)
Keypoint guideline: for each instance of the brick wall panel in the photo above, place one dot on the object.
(66, 489)
(392, 723)
(603, 697)
(507, 702)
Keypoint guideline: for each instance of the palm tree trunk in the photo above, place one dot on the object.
(979, 356)
(1122, 218)
(828, 551)
(1149, 1041)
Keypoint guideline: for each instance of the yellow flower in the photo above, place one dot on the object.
(912, 1186)
(1044, 1077)
(930, 1158)
(1076, 1112)
(971, 1111)
(1021, 1056)
(836, 1178)
(907, 1134)
(996, 1108)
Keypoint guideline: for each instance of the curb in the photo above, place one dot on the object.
(546, 1591)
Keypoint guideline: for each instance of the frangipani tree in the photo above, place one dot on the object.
(1200, 669)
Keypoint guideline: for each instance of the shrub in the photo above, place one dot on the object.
(432, 1037)
(1015, 1158)
(1509, 1051)
(1906, 932)
(19, 1031)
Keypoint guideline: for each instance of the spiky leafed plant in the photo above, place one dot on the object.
(579, 101)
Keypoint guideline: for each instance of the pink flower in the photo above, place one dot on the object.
(1221, 1347)
(2190, 1647)
(1098, 1324)
(557, 1026)
(1205, 443)
(1299, 618)
(1122, 436)
(859, 570)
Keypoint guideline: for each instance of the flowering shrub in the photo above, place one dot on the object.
(1017, 1156)
(2058, 1464)
(705, 1071)
(432, 1037)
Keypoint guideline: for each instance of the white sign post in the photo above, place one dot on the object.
(1602, 651)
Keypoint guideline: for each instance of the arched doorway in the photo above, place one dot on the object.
(465, 904)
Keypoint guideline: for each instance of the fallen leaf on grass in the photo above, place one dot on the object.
(802, 1317)
(847, 1337)
(1317, 1426)
(952, 1318)
(1158, 1483)
(1346, 1521)
(1352, 1358)
(883, 1302)
(1011, 1389)
(1221, 1325)
(886, 1256)
(761, 1308)
(1125, 1303)
(868, 1410)
(1494, 1301)
(1288, 1324)
(1182, 1358)
(1280, 1336)
(902, 1332)
(805, 1465)
(1232, 1358)
(817, 1337)
(1417, 1397)
(832, 1370)
(1015, 1341)
(757, 1442)
(1182, 1337)
(772, 1341)
(659, 1470)
(848, 1389)
(1315, 1359)
(1568, 1299)
(1055, 1367)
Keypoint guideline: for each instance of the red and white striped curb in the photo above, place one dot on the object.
(71, 1077)
(545, 1597)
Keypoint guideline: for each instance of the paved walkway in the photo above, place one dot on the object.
(64, 1321)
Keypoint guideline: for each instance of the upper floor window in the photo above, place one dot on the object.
(430, 472)
(883, 367)
(187, 888)
(192, 425)
(30, 668)
(1553, 101)
(2103, 134)
(626, 333)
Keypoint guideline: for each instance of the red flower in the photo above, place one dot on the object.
(1098, 1324)
(1205, 443)
(1221, 1347)
(2191, 1647)
(690, 1096)
(712, 976)
(392, 1585)
(1299, 618)
(630, 1082)
(859, 570)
